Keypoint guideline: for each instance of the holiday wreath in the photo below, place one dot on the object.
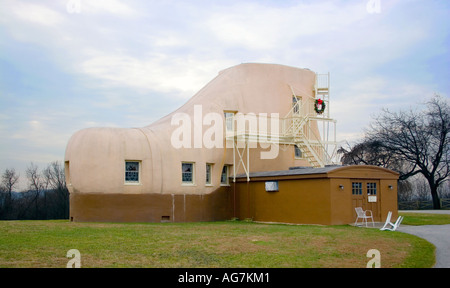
(319, 106)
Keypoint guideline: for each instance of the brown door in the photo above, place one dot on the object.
(365, 194)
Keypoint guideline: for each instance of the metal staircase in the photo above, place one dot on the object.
(302, 126)
(309, 154)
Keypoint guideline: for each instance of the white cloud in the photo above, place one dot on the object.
(41, 132)
(36, 14)
(157, 72)
(361, 101)
(255, 26)
(113, 7)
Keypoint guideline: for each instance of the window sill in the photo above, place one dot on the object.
(188, 184)
(132, 184)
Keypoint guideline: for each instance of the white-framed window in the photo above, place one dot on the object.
(371, 188)
(208, 175)
(356, 188)
(132, 172)
(298, 152)
(224, 176)
(295, 105)
(187, 172)
(229, 121)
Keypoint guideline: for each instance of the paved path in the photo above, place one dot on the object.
(438, 235)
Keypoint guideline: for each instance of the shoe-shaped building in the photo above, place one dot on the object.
(250, 118)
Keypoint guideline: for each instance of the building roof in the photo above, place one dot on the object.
(292, 171)
(304, 172)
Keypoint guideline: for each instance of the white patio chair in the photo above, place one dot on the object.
(364, 215)
(388, 220)
(394, 226)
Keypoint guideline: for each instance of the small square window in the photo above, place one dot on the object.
(371, 188)
(356, 188)
(132, 171)
(187, 173)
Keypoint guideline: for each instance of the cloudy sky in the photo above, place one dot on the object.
(66, 65)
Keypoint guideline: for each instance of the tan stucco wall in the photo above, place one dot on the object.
(341, 211)
(107, 207)
(297, 201)
(95, 157)
(389, 198)
(315, 198)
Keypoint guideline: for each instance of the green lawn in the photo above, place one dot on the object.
(425, 219)
(227, 244)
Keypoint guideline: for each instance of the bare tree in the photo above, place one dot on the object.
(54, 173)
(419, 140)
(9, 180)
(445, 190)
(405, 192)
(422, 190)
(55, 177)
(47, 196)
(36, 184)
(372, 152)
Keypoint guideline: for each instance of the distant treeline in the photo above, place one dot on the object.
(46, 197)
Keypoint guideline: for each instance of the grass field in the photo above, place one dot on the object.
(230, 244)
(425, 219)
